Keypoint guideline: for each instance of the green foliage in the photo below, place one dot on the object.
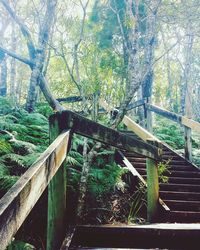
(169, 132)
(163, 168)
(104, 180)
(5, 105)
(7, 181)
(139, 200)
(44, 109)
(20, 245)
(23, 137)
(5, 147)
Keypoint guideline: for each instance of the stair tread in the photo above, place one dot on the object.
(182, 202)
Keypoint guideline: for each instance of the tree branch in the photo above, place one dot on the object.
(23, 27)
(18, 57)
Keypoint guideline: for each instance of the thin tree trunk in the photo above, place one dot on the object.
(13, 67)
(3, 79)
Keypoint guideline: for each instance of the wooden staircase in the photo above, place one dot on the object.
(156, 236)
(181, 193)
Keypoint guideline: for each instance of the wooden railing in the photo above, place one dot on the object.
(17, 203)
(188, 124)
(151, 165)
(49, 171)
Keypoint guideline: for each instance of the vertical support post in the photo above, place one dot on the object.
(152, 190)
(56, 218)
(188, 144)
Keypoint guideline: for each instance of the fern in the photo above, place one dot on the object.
(5, 147)
(23, 147)
(20, 245)
(3, 169)
(13, 159)
(7, 181)
(139, 200)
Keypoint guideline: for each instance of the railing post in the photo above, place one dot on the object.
(152, 190)
(56, 218)
(188, 143)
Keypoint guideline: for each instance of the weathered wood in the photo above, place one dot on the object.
(188, 143)
(20, 199)
(130, 167)
(95, 131)
(152, 190)
(56, 219)
(153, 236)
(135, 104)
(70, 99)
(138, 130)
(170, 115)
(131, 125)
(195, 126)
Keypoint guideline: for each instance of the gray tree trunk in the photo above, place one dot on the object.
(13, 67)
(3, 79)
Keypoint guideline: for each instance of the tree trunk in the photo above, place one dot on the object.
(13, 67)
(40, 55)
(3, 83)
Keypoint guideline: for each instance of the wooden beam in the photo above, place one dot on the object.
(136, 104)
(152, 190)
(133, 126)
(195, 126)
(56, 219)
(170, 115)
(138, 130)
(21, 198)
(95, 131)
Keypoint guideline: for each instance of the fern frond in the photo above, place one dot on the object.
(13, 159)
(7, 181)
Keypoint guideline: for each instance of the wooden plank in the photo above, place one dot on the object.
(163, 112)
(136, 104)
(131, 125)
(16, 204)
(138, 130)
(56, 219)
(95, 131)
(152, 236)
(152, 190)
(190, 124)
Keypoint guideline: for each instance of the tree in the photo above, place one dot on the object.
(37, 54)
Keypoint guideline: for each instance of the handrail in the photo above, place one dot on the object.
(151, 165)
(17, 203)
(189, 125)
(183, 120)
(133, 126)
(49, 171)
(85, 127)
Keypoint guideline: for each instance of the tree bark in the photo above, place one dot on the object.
(13, 67)
(3, 83)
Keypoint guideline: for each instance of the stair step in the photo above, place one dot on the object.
(182, 180)
(158, 236)
(186, 174)
(173, 173)
(102, 248)
(179, 187)
(170, 167)
(184, 216)
(189, 196)
(183, 205)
